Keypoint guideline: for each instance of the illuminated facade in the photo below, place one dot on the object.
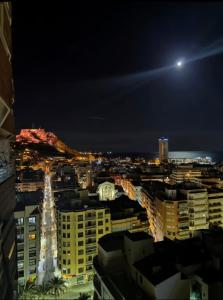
(132, 189)
(28, 241)
(7, 178)
(163, 149)
(31, 186)
(198, 208)
(106, 191)
(215, 207)
(184, 173)
(79, 230)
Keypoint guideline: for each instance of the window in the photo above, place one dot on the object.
(80, 243)
(68, 226)
(20, 221)
(68, 218)
(80, 270)
(21, 273)
(107, 220)
(80, 218)
(80, 261)
(32, 220)
(100, 231)
(100, 215)
(80, 234)
(107, 228)
(32, 228)
(64, 218)
(64, 235)
(68, 252)
(64, 251)
(20, 255)
(68, 235)
(68, 244)
(32, 262)
(20, 238)
(79, 226)
(64, 226)
(68, 271)
(32, 253)
(80, 252)
(100, 223)
(32, 237)
(64, 244)
(64, 261)
(68, 262)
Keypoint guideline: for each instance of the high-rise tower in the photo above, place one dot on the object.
(7, 184)
(163, 149)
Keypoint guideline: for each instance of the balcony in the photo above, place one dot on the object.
(5, 172)
(90, 225)
(90, 217)
(90, 242)
(90, 234)
(90, 250)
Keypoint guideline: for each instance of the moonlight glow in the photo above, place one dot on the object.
(179, 63)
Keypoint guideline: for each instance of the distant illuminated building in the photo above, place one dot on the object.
(163, 149)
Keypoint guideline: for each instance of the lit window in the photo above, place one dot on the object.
(20, 221)
(32, 237)
(32, 220)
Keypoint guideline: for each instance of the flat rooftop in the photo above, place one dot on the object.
(113, 241)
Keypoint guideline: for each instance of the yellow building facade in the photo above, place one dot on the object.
(78, 235)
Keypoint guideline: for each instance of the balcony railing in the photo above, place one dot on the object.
(90, 217)
(5, 172)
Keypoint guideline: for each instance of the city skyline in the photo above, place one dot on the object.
(76, 71)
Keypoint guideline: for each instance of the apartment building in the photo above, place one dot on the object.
(175, 211)
(183, 173)
(27, 216)
(80, 225)
(131, 266)
(197, 199)
(8, 284)
(127, 215)
(132, 189)
(215, 207)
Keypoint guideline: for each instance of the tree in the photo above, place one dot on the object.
(57, 285)
(84, 296)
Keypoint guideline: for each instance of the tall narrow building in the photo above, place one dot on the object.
(163, 150)
(7, 184)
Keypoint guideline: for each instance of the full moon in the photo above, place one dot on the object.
(179, 63)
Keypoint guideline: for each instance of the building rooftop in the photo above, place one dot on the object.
(210, 275)
(138, 236)
(112, 242)
(77, 204)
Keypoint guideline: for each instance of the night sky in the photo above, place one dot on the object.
(70, 68)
